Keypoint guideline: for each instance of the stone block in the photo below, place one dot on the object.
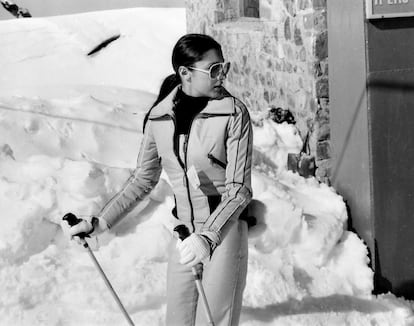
(323, 150)
(302, 54)
(269, 64)
(324, 132)
(303, 4)
(324, 67)
(318, 70)
(287, 67)
(267, 44)
(269, 79)
(255, 77)
(320, 22)
(290, 102)
(324, 104)
(244, 59)
(262, 79)
(266, 97)
(278, 66)
(218, 17)
(235, 68)
(309, 21)
(319, 4)
(321, 46)
(276, 34)
(288, 33)
(298, 36)
(246, 94)
(288, 49)
(322, 87)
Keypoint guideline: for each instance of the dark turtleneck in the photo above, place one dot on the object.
(186, 108)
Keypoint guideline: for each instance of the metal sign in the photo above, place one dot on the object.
(389, 8)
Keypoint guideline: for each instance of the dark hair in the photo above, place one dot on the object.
(189, 49)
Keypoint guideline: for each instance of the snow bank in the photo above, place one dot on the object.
(41, 52)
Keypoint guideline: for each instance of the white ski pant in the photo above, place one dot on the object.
(223, 279)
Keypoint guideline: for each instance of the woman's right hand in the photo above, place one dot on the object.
(78, 228)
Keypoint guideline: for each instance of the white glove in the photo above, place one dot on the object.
(193, 249)
(83, 228)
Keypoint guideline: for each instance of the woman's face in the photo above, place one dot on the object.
(198, 83)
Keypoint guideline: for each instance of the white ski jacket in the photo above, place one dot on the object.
(210, 168)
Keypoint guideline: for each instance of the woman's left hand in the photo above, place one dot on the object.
(193, 249)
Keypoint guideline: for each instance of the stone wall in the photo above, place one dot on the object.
(279, 59)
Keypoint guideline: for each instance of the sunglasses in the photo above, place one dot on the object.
(219, 69)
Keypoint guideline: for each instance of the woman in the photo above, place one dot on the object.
(202, 137)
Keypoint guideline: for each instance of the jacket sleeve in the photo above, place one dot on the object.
(238, 192)
(143, 179)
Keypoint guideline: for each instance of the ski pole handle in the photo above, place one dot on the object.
(73, 220)
(182, 231)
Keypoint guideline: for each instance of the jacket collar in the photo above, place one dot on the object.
(224, 105)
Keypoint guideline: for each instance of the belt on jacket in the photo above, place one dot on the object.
(213, 202)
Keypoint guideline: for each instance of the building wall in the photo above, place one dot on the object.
(279, 59)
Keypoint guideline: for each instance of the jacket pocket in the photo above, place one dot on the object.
(216, 161)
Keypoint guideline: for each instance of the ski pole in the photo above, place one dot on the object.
(183, 233)
(73, 220)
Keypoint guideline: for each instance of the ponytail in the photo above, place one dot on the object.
(167, 86)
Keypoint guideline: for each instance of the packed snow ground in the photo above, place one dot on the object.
(70, 129)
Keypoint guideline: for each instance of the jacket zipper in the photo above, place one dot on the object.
(184, 164)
